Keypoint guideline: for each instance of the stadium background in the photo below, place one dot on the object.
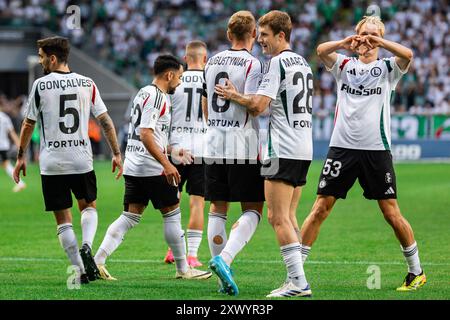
(116, 44)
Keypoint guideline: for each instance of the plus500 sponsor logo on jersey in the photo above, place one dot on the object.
(362, 92)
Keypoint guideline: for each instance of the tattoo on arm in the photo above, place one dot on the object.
(110, 132)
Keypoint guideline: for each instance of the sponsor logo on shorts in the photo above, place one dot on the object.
(388, 177)
(322, 184)
(390, 191)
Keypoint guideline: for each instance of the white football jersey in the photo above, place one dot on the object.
(188, 128)
(362, 115)
(151, 109)
(5, 127)
(289, 83)
(231, 129)
(62, 103)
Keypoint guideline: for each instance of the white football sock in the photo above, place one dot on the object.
(194, 238)
(89, 221)
(115, 234)
(217, 234)
(240, 235)
(292, 258)
(411, 254)
(174, 235)
(305, 252)
(68, 241)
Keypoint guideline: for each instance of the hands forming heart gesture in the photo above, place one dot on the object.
(361, 45)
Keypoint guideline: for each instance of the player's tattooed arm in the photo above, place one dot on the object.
(26, 132)
(255, 103)
(110, 133)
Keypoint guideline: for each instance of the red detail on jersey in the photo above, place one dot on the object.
(145, 101)
(246, 119)
(249, 67)
(336, 114)
(343, 64)
(93, 94)
(163, 110)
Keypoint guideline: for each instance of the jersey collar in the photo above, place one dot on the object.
(62, 72)
(243, 49)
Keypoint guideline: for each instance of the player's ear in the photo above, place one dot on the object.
(254, 34)
(229, 37)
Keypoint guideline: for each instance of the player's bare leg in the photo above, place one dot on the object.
(404, 233)
(279, 197)
(195, 228)
(89, 222)
(293, 211)
(174, 235)
(69, 242)
(115, 234)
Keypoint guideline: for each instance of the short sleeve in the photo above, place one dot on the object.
(97, 105)
(8, 124)
(151, 109)
(33, 103)
(253, 77)
(338, 66)
(395, 73)
(271, 81)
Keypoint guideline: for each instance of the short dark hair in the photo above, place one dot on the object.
(58, 46)
(277, 21)
(166, 62)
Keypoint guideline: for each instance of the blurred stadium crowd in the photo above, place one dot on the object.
(127, 35)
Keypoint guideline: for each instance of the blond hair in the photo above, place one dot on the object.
(277, 21)
(373, 20)
(241, 24)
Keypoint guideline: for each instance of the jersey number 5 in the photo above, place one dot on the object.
(63, 111)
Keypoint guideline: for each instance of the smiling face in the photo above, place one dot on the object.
(269, 42)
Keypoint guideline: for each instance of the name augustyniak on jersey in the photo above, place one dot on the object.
(232, 61)
(362, 92)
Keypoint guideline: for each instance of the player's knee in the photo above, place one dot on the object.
(278, 220)
(320, 212)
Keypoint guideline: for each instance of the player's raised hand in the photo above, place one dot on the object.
(117, 163)
(225, 91)
(351, 43)
(172, 175)
(21, 165)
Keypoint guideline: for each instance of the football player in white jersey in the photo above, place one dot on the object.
(148, 173)
(231, 149)
(62, 102)
(361, 139)
(6, 133)
(187, 130)
(287, 89)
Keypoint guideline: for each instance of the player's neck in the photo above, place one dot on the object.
(160, 84)
(62, 68)
(195, 66)
(367, 60)
(281, 49)
(239, 45)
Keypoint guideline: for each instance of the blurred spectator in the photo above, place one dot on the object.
(127, 35)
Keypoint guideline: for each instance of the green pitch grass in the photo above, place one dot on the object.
(354, 238)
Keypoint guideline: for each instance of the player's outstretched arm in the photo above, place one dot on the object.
(172, 175)
(403, 55)
(110, 133)
(25, 136)
(327, 50)
(255, 103)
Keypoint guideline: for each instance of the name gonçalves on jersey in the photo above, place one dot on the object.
(188, 127)
(364, 91)
(62, 103)
(232, 131)
(151, 109)
(289, 83)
